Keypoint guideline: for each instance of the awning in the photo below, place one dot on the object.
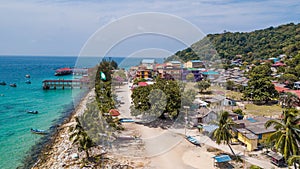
(222, 158)
(142, 84)
(114, 112)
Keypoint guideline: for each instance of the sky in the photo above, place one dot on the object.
(63, 27)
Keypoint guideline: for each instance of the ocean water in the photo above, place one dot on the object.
(16, 140)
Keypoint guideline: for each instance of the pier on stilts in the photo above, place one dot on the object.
(54, 84)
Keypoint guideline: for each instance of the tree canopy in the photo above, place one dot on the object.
(260, 87)
(258, 44)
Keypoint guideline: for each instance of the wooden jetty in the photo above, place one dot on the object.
(54, 84)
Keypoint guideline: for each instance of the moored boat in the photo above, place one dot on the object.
(193, 140)
(37, 131)
(32, 111)
(63, 71)
(2, 83)
(13, 85)
(27, 76)
(28, 81)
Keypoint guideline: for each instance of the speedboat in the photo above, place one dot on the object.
(13, 85)
(2, 83)
(32, 111)
(37, 131)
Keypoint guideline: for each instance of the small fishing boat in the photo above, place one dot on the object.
(126, 120)
(193, 140)
(13, 85)
(37, 131)
(2, 83)
(32, 111)
(27, 76)
(28, 81)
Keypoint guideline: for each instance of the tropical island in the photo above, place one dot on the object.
(231, 100)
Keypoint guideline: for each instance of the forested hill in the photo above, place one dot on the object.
(259, 44)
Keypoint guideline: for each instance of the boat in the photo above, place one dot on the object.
(32, 111)
(28, 81)
(63, 71)
(193, 140)
(126, 120)
(27, 76)
(13, 85)
(2, 83)
(37, 131)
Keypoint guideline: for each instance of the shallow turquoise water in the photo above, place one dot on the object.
(15, 137)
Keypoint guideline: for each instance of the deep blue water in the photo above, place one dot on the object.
(15, 137)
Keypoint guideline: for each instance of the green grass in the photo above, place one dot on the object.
(228, 93)
(263, 110)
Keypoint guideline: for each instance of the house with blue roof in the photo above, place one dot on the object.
(194, 64)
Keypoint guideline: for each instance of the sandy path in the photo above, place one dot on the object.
(164, 148)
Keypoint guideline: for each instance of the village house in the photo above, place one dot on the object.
(194, 64)
(252, 131)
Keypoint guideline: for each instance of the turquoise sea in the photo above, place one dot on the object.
(16, 140)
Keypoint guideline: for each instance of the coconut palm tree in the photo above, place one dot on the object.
(223, 134)
(287, 135)
(294, 159)
(79, 136)
(289, 100)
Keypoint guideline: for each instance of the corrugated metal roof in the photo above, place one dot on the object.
(222, 158)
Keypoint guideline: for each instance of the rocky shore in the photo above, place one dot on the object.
(61, 153)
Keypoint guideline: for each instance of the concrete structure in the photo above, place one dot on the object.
(194, 64)
(249, 139)
(252, 131)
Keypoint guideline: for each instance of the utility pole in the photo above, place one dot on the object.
(186, 118)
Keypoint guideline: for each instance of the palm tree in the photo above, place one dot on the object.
(223, 134)
(80, 136)
(289, 100)
(294, 159)
(287, 135)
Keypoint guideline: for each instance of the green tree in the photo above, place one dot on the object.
(260, 87)
(202, 85)
(289, 79)
(294, 159)
(287, 135)
(190, 77)
(188, 97)
(223, 134)
(79, 136)
(229, 85)
(144, 102)
(289, 100)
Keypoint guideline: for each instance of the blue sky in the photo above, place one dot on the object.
(62, 27)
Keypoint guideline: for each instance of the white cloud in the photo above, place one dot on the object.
(61, 27)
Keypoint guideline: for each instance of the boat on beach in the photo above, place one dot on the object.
(32, 111)
(2, 83)
(13, 85)
(193, 140)
(37, 131)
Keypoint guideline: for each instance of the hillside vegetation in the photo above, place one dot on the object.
(259, 44)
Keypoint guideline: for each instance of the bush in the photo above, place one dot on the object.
(254, 167)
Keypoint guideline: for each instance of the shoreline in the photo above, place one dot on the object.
(37, 153)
